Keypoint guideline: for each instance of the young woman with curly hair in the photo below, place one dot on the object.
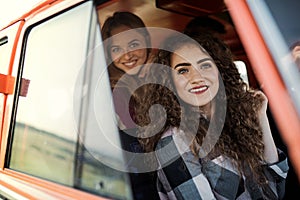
(212, 138)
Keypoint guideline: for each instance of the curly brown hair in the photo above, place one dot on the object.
(241, 135)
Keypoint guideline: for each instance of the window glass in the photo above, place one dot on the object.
(6, 46)
(57, 135)
(277, 21)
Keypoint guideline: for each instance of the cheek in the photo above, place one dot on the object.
(141, 53)
(115, 57)
(179, 83)
(215, 81)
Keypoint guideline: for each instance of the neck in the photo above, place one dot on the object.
(208, 109)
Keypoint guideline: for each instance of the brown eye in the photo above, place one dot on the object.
(116, 50)
(206, 66)
(134, 45)
(182, 71)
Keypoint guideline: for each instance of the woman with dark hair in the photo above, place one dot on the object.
(128, 48)
(214, 141)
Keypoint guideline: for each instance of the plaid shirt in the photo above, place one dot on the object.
(182, 176)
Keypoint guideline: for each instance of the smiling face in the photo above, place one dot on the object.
(128, 49)
(195, 75)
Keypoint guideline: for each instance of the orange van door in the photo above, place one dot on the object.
(8, 43)
(64, 132)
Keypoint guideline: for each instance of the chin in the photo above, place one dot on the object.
(133, 71)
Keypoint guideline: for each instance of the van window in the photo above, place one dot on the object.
(56, 135)
(6, 46)
(276, 20)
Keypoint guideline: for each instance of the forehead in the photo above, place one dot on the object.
(123, 35)
(189, 52)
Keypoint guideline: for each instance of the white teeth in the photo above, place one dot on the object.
(199, 89)
(130, 63)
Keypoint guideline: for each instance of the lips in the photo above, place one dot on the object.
(199, 90)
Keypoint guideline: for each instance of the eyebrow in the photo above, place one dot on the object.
(113, 46)
(182, 64)
(189, 64)
(134, 40)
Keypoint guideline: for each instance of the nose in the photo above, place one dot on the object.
(195, 75)
(128, 54)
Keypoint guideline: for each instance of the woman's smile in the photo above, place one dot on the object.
(199, 89)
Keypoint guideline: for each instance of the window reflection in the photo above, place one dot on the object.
(277, 21)
(295, 50)
(56, 135)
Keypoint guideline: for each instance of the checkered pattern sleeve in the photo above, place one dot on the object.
(276, 174)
